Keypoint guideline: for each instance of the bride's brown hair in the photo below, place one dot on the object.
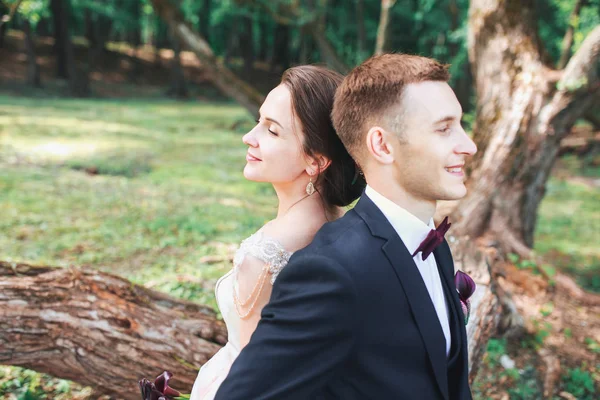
(312, 90)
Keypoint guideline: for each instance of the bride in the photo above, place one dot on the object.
(294, 147)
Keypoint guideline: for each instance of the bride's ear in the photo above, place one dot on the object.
(317, 164)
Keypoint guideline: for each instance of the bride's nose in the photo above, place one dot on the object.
(249, 139)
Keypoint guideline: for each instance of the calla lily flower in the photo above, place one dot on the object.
(465, 285)
(162, 384)
(159, 389)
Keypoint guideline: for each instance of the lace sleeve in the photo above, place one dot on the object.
(257, 259)
(266, 249)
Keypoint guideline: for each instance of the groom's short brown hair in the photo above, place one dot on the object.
(369, 91)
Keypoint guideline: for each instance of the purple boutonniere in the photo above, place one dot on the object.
(160, 389)
(465, 286)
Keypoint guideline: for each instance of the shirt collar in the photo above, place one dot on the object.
(411, 229)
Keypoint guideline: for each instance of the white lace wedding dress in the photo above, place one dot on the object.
(274, 257)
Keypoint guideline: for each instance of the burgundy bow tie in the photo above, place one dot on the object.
(434, 238)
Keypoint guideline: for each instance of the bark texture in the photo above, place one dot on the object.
(101, 330)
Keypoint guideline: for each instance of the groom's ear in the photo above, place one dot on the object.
(317, 164)
(379, 144)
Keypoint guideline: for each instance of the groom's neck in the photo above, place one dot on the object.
(422, 209)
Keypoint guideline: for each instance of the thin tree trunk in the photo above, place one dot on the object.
(225, 80)
(263, 48)
(204, 19)
(567, 42)
(78, 79)
(361, 35)
(3, 13)
(60, 50)
(281, 46)
(33, 69)
(381, 44)
(178, 87)
(246, 39)
(101, 330)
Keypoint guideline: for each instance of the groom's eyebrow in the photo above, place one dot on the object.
(448, 118)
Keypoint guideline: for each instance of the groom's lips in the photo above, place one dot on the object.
(456, 170)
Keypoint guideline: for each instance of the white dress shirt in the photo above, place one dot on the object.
(413, 231)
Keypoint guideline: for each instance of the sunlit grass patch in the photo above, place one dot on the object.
(568, 230)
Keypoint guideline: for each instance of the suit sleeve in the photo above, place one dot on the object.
(305, 333)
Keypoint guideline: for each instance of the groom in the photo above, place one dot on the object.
(365, 312)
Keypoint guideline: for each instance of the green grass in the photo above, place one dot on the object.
(142, 189)
(568, 230)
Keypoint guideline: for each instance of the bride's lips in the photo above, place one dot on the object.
(250, 157)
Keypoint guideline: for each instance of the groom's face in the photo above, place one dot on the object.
(432, 147)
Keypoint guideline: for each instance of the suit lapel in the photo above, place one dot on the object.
(443, 258)
(412, 283)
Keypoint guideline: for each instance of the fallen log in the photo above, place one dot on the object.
(101, 330)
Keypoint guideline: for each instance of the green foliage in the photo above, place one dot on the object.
(526, 387)
(580, 384)
(592, 345)
(496, 347)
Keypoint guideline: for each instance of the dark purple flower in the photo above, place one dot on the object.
(159, 389)
(465, 285)
(149, 391)
(162, 384)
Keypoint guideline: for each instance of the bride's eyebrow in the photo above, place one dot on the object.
(272, 120)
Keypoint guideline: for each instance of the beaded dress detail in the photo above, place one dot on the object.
(275, 257)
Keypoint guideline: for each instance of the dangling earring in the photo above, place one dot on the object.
(310, 188)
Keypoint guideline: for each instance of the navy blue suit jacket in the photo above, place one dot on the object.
(350, 318)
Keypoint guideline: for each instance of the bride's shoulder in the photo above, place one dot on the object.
(291, 233)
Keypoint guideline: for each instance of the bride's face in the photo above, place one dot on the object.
(274, 145)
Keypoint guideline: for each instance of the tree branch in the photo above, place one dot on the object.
(223, 78)
(101, 330)
(568, 38)
(579, 86)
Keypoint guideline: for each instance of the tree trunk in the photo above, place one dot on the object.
(178, 87)
(567, 42)
(77, 75)
(523, 113)
(281, 46)
(33, 69)
(246, 37)
(316, 28)
(204, 19)
(521, 119)
(381, 44)
(361, 35)
(136, 29)
(221, 77)
(101, 330)
(263, 31)
(60, 26)
(3, 12)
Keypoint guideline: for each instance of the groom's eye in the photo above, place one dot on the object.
(445, 130)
